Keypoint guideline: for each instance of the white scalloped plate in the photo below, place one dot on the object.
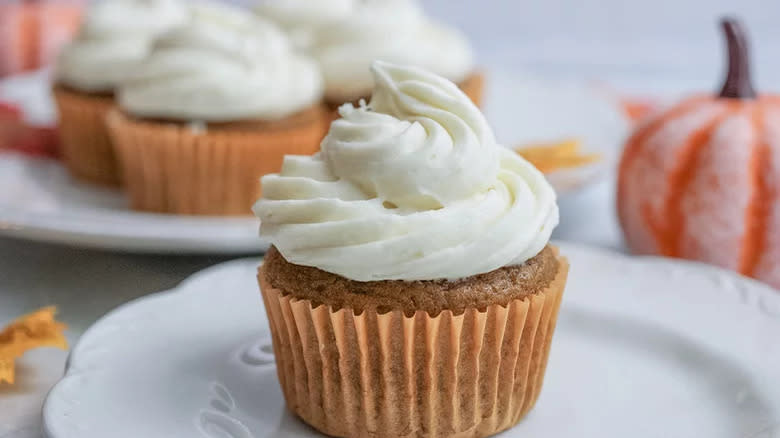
(645, 347)
(39, 201)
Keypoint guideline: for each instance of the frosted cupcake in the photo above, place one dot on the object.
(410, 289)
(115, 36)
(345, 44)
(215, 106)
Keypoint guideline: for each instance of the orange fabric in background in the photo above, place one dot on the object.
(18, 136)
(31, 32)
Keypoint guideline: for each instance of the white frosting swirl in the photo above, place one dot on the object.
(115, 36)
(301, 18)
(393, 31)
(411, 187)
(224, 65)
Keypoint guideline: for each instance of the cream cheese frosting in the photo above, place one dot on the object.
(114, 37)
(302, 18)
(224, 65)
(395, 31)
(412, 186)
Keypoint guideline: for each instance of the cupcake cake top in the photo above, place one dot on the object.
(301, 18)
(395, 31)
(225, 64)
(412, 186)
(115, 35)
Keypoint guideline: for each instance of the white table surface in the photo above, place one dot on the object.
(85, 284)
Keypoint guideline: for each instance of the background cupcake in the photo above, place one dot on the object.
(394, 31)
(411, 290)
(115, 36)
(214, 106)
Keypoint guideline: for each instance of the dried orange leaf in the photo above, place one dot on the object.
(548, 157)
(34, 330)
(6, 370)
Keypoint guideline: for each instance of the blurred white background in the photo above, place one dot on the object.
(649, 47)
(659, 46)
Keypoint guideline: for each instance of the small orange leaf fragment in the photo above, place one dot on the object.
(548, 157)
(34, 330)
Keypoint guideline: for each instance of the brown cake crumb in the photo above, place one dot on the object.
(496, 287)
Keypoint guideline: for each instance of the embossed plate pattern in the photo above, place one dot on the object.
(644, 348)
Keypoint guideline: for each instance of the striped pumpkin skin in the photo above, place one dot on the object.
(701, 181)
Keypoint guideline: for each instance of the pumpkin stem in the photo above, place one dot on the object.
(737, 84)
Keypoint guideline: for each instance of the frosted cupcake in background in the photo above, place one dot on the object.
(114, 37)
(346, 43)
(411, 289)
(216, 105)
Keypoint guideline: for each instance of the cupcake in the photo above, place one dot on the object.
(215, 106)
(345, 44)
(410, 288)
(114, 37)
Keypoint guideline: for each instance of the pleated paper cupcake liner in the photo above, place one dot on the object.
(390, 375)
(473, 86)
(177, 168)
(85, 142)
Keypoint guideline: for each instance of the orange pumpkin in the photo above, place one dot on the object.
(701, 180)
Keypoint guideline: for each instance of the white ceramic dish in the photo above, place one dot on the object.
(645, 347)
(40, 202)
